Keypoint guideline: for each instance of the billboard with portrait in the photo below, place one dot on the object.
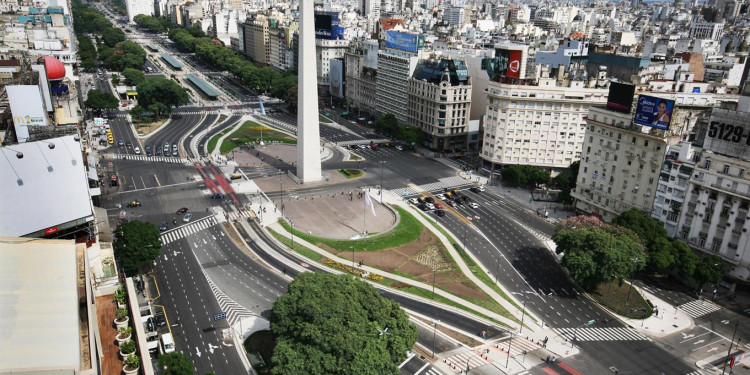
(620, 97)
(654, 112)
(27, 109)
(403, 41)
(336, 78)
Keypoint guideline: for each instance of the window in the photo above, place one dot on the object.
(725, 169)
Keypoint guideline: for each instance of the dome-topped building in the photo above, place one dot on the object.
(54, 67)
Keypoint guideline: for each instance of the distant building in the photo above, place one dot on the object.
(360, 81)
(257, 44)
(706, 30)
(136, 7)
(670, 197)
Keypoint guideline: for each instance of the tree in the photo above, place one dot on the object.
(596, 252)
(161, 90)
(649, 229)
(98, 101)
(123, 55)
(513, 175)
(729, 48)
(175, 363)
(89, 65)
(136, 244)
(743, 46)
(685, 259)
(409, 134)
(133, 77)
(137, 112)
(291, 98)
(112, 36)
(709, 270)
(388, 124)
(115, 79)
(331, 324)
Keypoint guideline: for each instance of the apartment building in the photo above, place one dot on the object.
(392, 82)
(678, 166)
(540, 124)
(256, 34)
(620, 164)
(440, 103)
(325, 51)
(281, 56)
(136, 7)
(360, 81)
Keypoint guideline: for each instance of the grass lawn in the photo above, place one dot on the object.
(407, 230)
(350, 173)
(249, 132)
(215, 139)
(303, 250)
(324, 119)
(262, 342)
(636, 307)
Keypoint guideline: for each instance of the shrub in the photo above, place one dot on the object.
(128, 347)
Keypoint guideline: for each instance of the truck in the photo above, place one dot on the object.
(167, 343)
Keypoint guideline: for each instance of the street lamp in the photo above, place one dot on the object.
(434, 328)
(729, 352)
(381, 180)
(507, 359)
(281, 196)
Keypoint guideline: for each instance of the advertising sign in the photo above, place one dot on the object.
(336, 78)
(508, 63)
(654, 112)
(620, 98)
(403, 41)
(27, 109)
(327, 25)
(728, 135)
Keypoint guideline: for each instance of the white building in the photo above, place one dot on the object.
(325, 51)
(678, 166)
(706, 30)
(370, 8)
(136, 7)
(541, 125)
(392, 91)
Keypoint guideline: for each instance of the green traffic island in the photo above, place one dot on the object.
(249, 133)
(324, 119)
(623, 299)
(351, 173)
(409, 250)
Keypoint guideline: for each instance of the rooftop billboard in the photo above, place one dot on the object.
(404, 41)
(27, 109)
(654, 112)
(620, 97)
(327, 25)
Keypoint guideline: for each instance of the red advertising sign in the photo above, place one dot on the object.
(50, 230)
(514, 64)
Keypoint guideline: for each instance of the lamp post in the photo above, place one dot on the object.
(523, 315)
(729, 352)
(281, 196)
(381, 180)
(507, 359)
(434, 328)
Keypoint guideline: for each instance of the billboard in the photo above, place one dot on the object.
(336, 78)
(404, 41)
(620, 97)
(327, 25)
(728, 133)
(27, 109)
(507, 63)
(654, 112)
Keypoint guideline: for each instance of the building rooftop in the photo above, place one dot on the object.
(39, 296)
(434, 70)
(207, 89)
(171, 61)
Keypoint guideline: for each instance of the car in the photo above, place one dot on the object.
(362, 147)
(134, 203)
(476, 189)
(481, 188)
(421, 200)
(163, 226)
(440, 213)
(182, 210)
(186, 218)
(441, 197)
(218, 196)
(438, 205)
(452, 203)
(429, 200)
(125, 104)
(150, 324)
(175, 150)
(111, 140)
(430, 206)
(473, 205)
(423, 207)
(414, 201)
(160, 320)
(353, 147)
(129, 145)
(235, 176)
(137, 150)
(148, 151)
(102, 142)
(400, 148)
(158, 151)
(121, 143)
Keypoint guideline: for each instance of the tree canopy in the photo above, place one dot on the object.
(525, 175)
(112, 36)
(98, 100)
(133, 77)
(175, 363)
(160, 94)
(709, 270)
(136, 244)
(595, 252)
(125, 54)
(153, 24)
(331, 324)
(388, 124)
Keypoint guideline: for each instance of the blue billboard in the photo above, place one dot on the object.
(327, 25)
(654, 112)
(404, 41)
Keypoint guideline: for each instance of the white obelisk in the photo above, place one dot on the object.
(308, 128)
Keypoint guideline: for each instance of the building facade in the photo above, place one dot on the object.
(257, 46)
(360, 81)
(392, 89)
(620, 165)
(327, 50)
(440, 103)
(706, 30)
(678, 166)
(136, 7)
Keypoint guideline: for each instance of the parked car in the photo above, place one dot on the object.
(440, 213)
(218, 196)
(150, 324)
(161, 321)
(163, 226)
(186, 218)
(182, 210)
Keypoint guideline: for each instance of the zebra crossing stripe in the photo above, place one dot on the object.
(601, 334)
(446, 182)
(468, 359)
(163, 159)
(232, 309)
(186, 230)
(698, 308)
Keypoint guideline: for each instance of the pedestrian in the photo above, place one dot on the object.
(546, 360)
(284, 271)
(554, 359)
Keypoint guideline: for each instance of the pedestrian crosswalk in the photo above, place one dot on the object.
(465, 360)
(188, 229)
(442, 183)
(260, 172)
(697, 372)
(163, 159)
(429, 371)
(601, 334)
(698, 308)
(517, 346)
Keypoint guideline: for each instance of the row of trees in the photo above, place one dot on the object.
(389, 126)
(152, 24)
(525, 175)
(596, 252)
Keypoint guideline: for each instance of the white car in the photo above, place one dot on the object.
(186, 218)
(473, 205)
(400, 148)
(137, 150)
(481, 188)
(430, 206)
(414, 201)
(362, 146)
(441, 197)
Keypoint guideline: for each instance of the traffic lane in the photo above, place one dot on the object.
(186, 295)
(187, 137)
(230, 121)
(627, 357)
(518, 212)
(244, 281)
(167, 134)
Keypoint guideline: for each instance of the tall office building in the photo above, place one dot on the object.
(440, 103)
(136, 7)
(396, 64)
(257, 40)
(370, 8)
